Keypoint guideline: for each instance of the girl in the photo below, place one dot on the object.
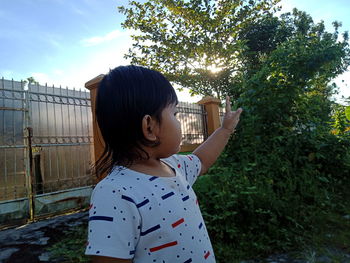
(145, 209)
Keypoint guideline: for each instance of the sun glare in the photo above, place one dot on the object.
(214, 69)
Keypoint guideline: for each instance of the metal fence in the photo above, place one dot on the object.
(45, 146)
(62, 137)
(12, 148)
(193, 122)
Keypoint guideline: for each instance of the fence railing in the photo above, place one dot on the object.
(45, 146)
(62, 137)
(12, 144)
(193, 123)
(47, 140)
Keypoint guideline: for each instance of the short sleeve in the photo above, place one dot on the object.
(190, 165)
(114, 223)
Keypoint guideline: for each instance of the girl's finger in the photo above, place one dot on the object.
(239, 111)
(228, 104)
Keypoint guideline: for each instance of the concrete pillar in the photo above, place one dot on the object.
(92, 85)
(213, 117)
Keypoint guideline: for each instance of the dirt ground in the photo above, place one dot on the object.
(28, 243)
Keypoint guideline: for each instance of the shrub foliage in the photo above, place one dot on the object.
(289, 163)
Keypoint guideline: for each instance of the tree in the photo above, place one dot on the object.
(194, 43)
(284, 156)
(31, 80)
(287, 67)
(341, 120)
(284, 170)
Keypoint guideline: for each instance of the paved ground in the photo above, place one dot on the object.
(26, 244)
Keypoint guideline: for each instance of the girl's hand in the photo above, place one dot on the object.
(210, 150)
(231, 118)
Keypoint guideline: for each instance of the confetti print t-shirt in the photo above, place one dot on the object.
(148, 218)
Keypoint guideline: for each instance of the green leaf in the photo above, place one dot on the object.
(347, 113)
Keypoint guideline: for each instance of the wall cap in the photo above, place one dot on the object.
(209, 100)
(92, 84)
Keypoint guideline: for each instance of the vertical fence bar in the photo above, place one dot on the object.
(87, 114)
(205, 123)
(4, 130)
(48, 131)
(88, 122)
(70, 134)
(76, 129)
(24, 117)
(29, 125)
(14, 177)
(193, 123)
(55, 134)
(63, 137)
(82, 138)
(28, 148)
(29, 173)
(39, 133)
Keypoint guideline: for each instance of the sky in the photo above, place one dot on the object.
(67, 43)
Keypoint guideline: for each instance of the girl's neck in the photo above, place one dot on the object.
(153, 167)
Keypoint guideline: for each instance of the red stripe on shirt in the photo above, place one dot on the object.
(178, 223)
(207, 255)
(153, 249)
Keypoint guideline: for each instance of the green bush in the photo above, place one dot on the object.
(275, 203)
(288, 166)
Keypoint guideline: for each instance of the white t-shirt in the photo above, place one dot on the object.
(149, 218)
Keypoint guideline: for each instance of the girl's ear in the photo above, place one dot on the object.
(149, 128)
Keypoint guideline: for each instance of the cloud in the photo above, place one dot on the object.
(98, 63)
(93, 41)
(81, 71)
(42, 78)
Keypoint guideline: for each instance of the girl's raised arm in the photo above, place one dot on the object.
(210, 150)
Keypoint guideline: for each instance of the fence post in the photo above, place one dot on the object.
(92, 86)
(211, 106)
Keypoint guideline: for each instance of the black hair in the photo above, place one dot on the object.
(125, 95)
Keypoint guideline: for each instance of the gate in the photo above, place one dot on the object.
(45, 145)
(193, 123)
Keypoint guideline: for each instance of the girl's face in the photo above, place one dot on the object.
(169, 132)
